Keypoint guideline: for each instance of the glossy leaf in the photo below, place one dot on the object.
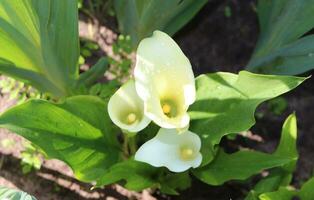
(226, 102)
(139, 18)
(39, 43)
(12, 194)
(238, 166)
(307, 192)
(243, 164)
(277, 178)
(137, 175)
(78, 132)
(281, 176)
(173, 182)
(281, 194)
(279, 49)
(287, 146)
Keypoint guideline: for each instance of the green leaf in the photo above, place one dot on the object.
(12, 194)
(277, 178)
(97, 71)
(78, 132)
(279, 49)
(307, 192)
(287, 146)
(39, 43)
(283, 21)
(283, 193)
(294, 58)
(94, 111)
(173, 182)
(238, 166)
(226, 102)
(281, 176)
(139, 18)
(137, 175)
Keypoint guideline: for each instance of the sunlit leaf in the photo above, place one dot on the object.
(283, 193)
(137, 175)
(226, 102)
(78, 132)
(238, 166)
(39, 43)
(280, 177)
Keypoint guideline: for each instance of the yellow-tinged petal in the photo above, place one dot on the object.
(126, 109)
(177, 152)
(164, 81)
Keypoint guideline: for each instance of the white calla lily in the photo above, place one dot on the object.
(177, 152)
(126, 109)
(164, 81)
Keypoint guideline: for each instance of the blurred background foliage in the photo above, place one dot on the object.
(286, 44)
(139, 18)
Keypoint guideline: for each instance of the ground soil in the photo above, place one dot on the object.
(213, 42)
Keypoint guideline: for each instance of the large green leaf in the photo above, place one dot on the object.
(282, 176)
(39, 43)
(279, 49)
(173, 182)
(77, 132)
(226, 102)
(139, 18)
(138, 175)
(12, 194)
(243, 164)
(238, 166)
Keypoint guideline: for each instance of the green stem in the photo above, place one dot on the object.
(125, 146)
(132, 145)
(129, 144)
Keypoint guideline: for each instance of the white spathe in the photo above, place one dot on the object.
(126, 109)
(177, 152)
(164, 80)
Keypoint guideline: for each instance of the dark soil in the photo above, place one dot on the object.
(213, 42)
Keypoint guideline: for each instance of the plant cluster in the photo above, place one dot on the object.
(163, 125)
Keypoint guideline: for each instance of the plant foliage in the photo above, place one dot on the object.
(12, 194)
(139, 18)
(283, 46)
(84, 137)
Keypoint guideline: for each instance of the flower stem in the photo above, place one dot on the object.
(129, 144)
(125, 146)
(132, 145)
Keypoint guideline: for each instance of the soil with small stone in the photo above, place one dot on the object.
(213, 42)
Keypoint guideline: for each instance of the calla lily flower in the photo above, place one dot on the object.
(126, 109)
(164, 80)
(177, 152)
